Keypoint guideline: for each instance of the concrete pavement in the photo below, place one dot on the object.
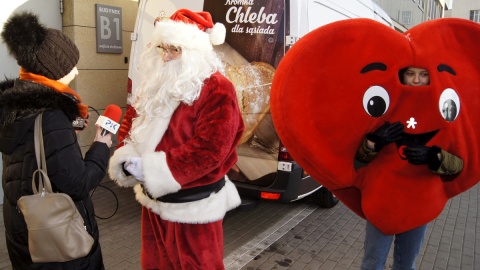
(295, 236)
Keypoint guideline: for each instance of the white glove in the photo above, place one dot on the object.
(134, 167)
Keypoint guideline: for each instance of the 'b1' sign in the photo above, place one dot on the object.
(109, 29)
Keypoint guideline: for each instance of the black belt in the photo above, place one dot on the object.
(190, 194)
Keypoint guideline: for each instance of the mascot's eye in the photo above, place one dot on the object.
(449, 104)
(376, 101)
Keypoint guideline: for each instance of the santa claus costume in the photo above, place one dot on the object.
(177, 142)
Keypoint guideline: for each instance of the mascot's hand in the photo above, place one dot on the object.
(134, 167)
(386, 134)
(421, 154)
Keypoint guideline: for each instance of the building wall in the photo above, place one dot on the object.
(409, 13)
(397, 8)
(102, 78)
(461, 8)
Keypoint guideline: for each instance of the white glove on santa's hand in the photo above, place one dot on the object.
(134, 167)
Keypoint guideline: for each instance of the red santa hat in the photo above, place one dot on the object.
(190, 30)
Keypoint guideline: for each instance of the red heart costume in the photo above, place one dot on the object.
(320, 104)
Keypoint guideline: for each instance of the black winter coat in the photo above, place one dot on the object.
(69, 172)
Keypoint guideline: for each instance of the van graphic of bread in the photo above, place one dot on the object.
(252, 83)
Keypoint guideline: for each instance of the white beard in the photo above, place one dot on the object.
(167, 83)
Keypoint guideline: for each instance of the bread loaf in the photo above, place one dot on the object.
(252, 82)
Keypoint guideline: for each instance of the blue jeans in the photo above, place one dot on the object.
(377, 245)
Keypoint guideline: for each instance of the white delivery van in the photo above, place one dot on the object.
(259, 34)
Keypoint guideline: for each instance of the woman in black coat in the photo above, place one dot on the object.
(48, 63)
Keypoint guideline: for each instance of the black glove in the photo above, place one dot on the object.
(421, 154)
(386, 134)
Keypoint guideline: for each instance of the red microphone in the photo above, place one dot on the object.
(109, 120)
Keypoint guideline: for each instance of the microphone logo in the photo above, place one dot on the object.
(108, 125)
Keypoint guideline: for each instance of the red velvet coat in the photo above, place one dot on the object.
(194, 146)
(323, 98)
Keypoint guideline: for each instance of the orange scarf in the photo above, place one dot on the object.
(57, 86)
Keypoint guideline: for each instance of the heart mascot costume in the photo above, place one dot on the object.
(177, 142)
(341, 82)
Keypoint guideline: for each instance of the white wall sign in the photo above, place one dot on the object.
(109, 29)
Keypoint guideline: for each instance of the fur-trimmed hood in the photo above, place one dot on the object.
(20, 99)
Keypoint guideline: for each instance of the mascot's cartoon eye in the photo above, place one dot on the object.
(376, 101)
(449, 104)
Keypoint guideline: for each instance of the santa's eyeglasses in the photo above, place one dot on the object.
(172, 50)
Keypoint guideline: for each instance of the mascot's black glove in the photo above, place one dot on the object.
(421, 154)
(386, 134)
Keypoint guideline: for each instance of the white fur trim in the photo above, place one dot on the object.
(154, 132)
(207, 210)
(217, 34)
(181, 34)
(157, 177)
(115, 166)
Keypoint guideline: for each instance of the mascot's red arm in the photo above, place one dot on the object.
(331, 78)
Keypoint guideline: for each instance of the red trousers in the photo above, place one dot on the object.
(173, 246)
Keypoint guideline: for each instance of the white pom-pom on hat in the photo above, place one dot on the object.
(217, 34)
